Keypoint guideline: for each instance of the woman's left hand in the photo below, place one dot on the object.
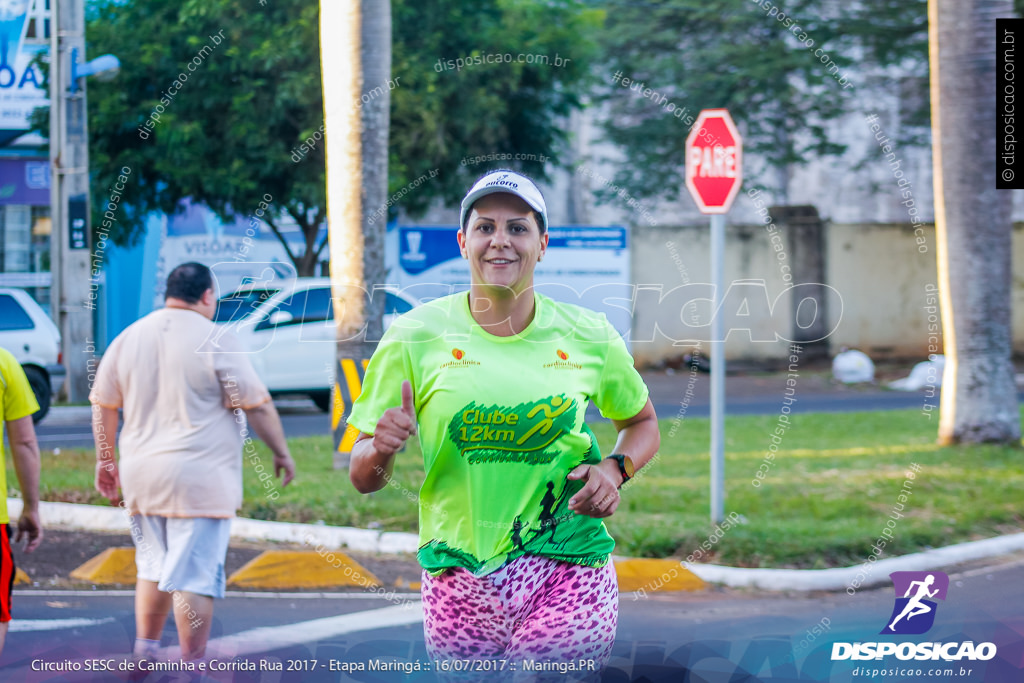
(600, 495)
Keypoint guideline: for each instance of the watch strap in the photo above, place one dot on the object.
(620, 460)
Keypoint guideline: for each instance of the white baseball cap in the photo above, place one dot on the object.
(511, 182)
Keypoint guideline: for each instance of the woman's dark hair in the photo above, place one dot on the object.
(536, 217)
(188, 282)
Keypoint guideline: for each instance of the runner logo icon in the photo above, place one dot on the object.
(914, 612)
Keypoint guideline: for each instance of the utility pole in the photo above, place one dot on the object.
(71, 304)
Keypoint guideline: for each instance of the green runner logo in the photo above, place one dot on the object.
(519, 434)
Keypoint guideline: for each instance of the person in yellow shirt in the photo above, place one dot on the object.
(18, 404)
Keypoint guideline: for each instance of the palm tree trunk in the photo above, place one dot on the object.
(973, 225)
(376, 110)
(355, 49)
(340, 61)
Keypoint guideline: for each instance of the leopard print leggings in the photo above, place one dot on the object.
(533, 608)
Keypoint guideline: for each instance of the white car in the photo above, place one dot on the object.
(288, 327)
(28, 333)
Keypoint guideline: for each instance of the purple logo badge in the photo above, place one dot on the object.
(914, 611)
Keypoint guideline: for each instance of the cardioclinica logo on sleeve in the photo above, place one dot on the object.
(914, 613)
(460, 360)
(563, 362)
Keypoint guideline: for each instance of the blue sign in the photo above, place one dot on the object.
(422, 248)
(21, 88)
(25, 181)
(587, 238)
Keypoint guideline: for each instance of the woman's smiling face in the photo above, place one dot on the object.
(502, 242)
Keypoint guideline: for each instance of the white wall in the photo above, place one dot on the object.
(673, 256)
(877, 269)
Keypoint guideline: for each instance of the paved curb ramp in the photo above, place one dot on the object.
(307, 569)
(272, 569)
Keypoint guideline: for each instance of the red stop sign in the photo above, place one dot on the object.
(714, 161)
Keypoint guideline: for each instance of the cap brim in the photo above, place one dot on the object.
(473, 197)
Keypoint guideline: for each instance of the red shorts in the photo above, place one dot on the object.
(6, 573)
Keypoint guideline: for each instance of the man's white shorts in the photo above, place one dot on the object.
(182, 553)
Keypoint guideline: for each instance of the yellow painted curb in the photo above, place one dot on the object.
(302, 569)
(656, 575)
(113, 565)
(21, 577)
(400, 582)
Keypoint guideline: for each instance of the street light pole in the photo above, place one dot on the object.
(70, 303)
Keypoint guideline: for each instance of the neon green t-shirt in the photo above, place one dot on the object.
(17, 401)
(501, 425)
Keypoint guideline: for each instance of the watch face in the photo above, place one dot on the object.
(627, 465)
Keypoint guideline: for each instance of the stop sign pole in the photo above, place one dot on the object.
(714, 173)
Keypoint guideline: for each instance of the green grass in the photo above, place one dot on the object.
(822, 504)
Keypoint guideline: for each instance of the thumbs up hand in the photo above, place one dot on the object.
(396, 425)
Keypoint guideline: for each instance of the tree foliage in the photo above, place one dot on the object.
(232, 132)
(887, 31)
(225, 134)
(778, 67)
(443, 118)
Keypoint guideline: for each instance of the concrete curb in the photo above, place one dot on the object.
(99, 518)
(366, 540)
(874, 574)
(869, 574)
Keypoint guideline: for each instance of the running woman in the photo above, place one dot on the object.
(495, 382)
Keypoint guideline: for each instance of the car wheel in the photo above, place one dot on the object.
(41, 388)
(322, 399)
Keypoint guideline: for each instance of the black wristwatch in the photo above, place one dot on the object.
(626, 468)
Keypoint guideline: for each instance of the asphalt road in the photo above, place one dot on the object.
(715, 635)
(69, 427)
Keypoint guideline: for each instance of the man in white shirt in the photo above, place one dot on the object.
(185, 401)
